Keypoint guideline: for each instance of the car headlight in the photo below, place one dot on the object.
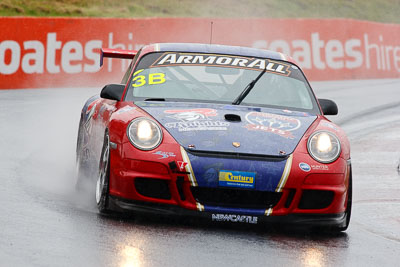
(144, 133)
(324, 146)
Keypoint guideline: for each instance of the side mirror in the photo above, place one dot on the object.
(112, 91)
(328, 107)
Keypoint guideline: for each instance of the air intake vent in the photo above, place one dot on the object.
(316, 199)
(154, 188)
(233, 118)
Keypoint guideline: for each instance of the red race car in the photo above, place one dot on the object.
(232, 134)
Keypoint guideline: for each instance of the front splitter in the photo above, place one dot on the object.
(309, 220)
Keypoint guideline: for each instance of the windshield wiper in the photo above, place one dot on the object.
(248, 88)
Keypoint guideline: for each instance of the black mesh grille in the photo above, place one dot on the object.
(154, 188)
(316, 199)
(235, 198)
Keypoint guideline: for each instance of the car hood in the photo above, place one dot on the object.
(231, 128)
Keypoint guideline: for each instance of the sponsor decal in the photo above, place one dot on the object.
(191, 114)
(199, 126)
(195, 120)
(151, 79)
(237, 179)
(125, 109)
(320, 167)
(176, 59)
(182, 165)
(305, 167)
(282, 133)
(234, 218)
(164, 155)
(272, 123)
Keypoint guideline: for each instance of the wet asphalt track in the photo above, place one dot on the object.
(45, 223)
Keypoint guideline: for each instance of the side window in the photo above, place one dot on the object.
(128, 72)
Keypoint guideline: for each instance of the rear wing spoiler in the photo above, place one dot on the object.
(116, 53)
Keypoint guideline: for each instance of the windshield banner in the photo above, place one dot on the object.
(176, 59)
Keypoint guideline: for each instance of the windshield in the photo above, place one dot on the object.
(220, 78)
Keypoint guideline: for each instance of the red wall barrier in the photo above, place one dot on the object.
(57, 52)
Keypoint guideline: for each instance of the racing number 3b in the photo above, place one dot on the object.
(152, 78)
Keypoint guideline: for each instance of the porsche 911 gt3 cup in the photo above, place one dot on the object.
(232, 134)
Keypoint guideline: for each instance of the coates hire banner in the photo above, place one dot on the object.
(58, 52)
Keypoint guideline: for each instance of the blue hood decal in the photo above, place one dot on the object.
(231, 129)
(267, 174)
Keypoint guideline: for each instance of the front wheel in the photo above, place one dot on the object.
(104, 176)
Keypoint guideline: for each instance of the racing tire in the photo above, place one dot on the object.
(102, 184)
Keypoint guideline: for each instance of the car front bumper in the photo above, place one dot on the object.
(154, 209)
